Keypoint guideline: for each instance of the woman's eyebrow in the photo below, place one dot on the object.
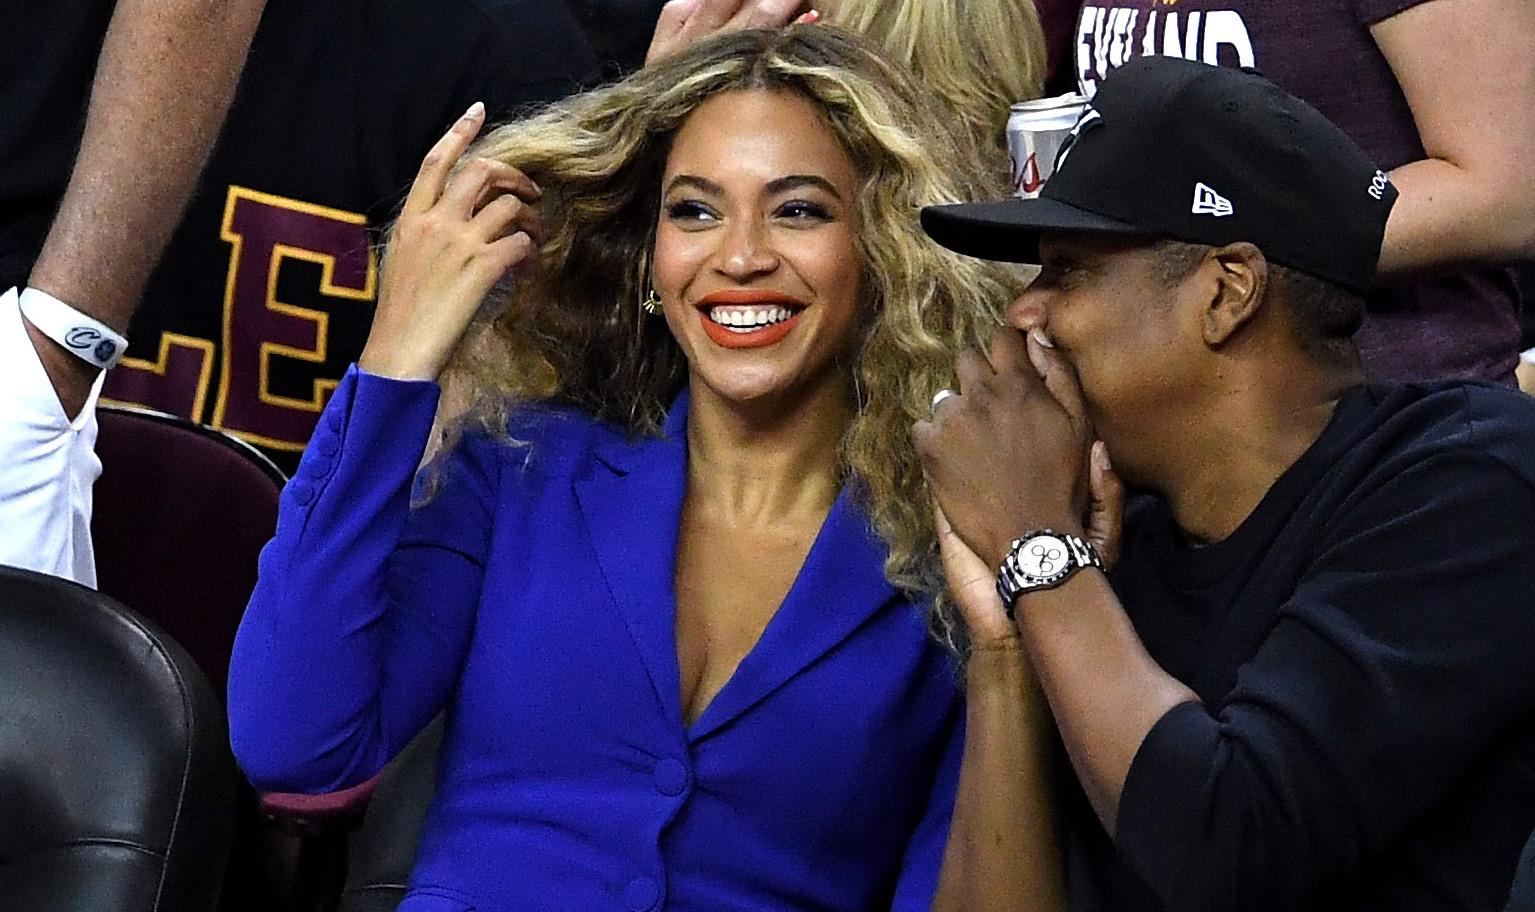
(699, 183)
(774, 187)
(795, 181)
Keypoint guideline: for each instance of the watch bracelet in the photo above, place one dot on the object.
(1083, 555)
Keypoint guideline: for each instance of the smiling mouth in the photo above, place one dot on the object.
(748, 319)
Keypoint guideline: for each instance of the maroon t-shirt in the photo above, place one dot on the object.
(1058, 20)
(1461, 325)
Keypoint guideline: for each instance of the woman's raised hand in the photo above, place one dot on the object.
(457, 236)
(973, 583)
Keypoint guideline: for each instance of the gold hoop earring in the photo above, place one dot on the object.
(652, 303)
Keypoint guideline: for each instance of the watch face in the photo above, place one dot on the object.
(1042, 557)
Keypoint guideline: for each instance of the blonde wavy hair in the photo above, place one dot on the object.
(574, 333)
(977, 57)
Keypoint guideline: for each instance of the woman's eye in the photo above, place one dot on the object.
(801, 210)
(689, 211)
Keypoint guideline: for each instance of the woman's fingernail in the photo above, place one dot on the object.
(476, 111)
(810, 18)
(1038, 335)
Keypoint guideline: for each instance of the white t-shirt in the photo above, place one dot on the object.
(47, 462)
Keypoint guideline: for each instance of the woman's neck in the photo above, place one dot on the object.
(766, 462)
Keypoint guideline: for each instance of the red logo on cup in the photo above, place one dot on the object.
(1029, 179)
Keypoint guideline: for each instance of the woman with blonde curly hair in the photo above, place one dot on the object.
(667, 584)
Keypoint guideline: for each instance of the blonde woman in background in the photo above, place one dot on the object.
(976, 57)
(669, 589)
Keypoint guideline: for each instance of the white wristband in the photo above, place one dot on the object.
(1528, 357)
(85, 337)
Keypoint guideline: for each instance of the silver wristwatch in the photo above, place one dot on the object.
(1042, 560)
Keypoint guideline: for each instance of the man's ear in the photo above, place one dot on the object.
(1241, 280)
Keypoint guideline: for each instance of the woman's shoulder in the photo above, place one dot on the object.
(549, 437)
(533, 446)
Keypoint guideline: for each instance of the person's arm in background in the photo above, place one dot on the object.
(1466, 70)
(164, 82)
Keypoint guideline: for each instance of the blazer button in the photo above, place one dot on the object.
(301, 492)
(671, 777)
(641, 894)
(328, 446)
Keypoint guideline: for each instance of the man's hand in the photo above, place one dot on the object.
(683, 22)
(1106, 506)
(1010, 452)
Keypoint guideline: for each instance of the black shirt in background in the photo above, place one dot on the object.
(388, 70)
(1364, 648)
(266, 291)
(51, 50)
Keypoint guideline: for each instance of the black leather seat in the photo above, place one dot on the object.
(182, 511)
(116, 783)
(382, 852)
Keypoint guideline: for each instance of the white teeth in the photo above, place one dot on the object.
(749, 318)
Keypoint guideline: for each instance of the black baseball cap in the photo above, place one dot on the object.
(1175, 149)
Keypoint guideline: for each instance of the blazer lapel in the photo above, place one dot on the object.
(841, 585)
(631, 501)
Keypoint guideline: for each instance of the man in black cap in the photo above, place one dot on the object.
(1307, 678)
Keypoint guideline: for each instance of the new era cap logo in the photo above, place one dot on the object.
(1208, 202)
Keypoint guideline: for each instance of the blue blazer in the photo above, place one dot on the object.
(532, 600)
